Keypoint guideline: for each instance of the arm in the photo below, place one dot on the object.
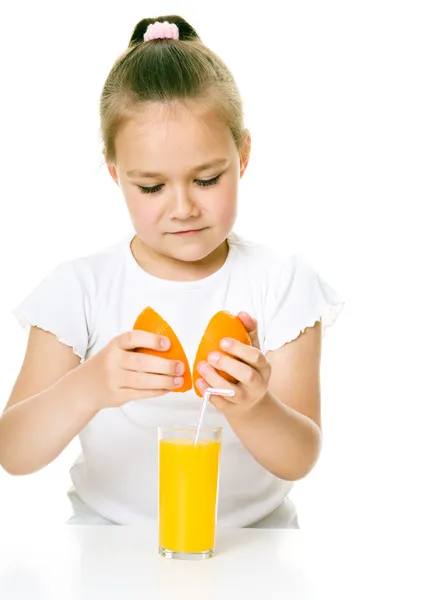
(282, 431)
(276, 408)
(46, 409)
(55, 397)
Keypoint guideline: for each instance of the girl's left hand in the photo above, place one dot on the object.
(250, 367)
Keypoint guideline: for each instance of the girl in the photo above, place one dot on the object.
(175, 144)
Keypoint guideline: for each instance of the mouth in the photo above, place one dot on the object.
(188, 232)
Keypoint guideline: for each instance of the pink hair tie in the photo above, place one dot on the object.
(161, 30)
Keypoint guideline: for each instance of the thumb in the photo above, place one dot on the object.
(251, 326)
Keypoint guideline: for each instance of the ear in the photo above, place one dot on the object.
(112, 170)
(245, 151)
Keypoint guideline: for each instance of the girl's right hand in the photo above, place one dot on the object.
(117, 374)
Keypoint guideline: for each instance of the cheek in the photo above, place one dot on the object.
(225, 203)
(143, 212)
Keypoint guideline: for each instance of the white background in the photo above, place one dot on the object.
(335, 97)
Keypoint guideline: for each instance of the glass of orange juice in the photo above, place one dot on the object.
(188, 486)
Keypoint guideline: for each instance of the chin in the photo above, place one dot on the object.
(188, 254)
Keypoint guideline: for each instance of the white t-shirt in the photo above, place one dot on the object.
(88, 301)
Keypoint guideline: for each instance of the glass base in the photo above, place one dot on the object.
(186, 555)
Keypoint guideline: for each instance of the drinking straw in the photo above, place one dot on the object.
(206, 396)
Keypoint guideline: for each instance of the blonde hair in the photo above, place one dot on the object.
(165, 70)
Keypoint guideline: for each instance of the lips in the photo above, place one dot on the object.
(188, 231)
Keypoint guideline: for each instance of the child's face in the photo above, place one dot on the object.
(163, 148)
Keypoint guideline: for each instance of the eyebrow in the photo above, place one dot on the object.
(213, 163)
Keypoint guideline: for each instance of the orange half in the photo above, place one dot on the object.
(223, 324)
(150, 320)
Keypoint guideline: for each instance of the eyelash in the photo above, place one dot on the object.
(200, 182)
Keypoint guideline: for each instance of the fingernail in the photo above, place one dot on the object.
(178, 381)
(225, 343)
(180, 368)
(202, 365)
(213, 357)
(165, 343)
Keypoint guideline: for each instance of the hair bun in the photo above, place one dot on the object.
(186, 31)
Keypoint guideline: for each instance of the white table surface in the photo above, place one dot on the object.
(107, 562)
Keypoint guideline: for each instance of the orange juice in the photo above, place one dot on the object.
(188, 483)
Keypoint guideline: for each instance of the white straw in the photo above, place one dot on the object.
(206, 396)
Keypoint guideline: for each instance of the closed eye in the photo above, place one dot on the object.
(199, 182)
(206, 182)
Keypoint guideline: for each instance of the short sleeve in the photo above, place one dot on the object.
(297, 297)
(59, 304)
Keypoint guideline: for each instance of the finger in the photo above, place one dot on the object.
(248, 354)
(137, 338)
(248, 321)
(135, 361)
(146, 381)
(241, 371)
(214, 379)
(220, 402)
(202, 385)
(251, 326)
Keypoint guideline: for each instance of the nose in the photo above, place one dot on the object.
(182, 205)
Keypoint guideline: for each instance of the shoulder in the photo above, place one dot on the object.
(89, 270)
(295, 295)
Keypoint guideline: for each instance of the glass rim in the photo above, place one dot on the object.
(190, 428)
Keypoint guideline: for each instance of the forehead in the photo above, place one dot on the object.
(176, 134)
